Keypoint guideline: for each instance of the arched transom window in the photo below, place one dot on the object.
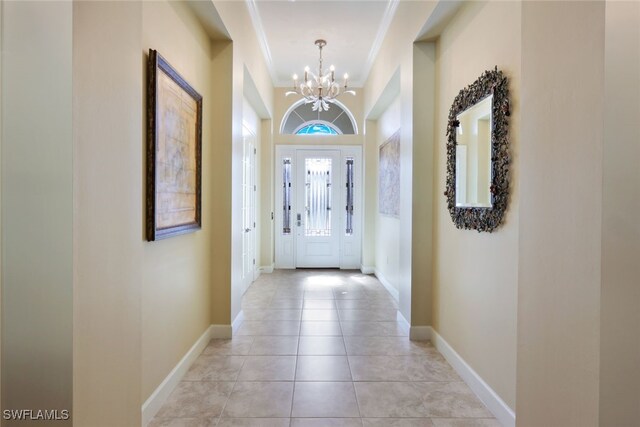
(300, 119)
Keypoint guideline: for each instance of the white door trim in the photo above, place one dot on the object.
(350, 246)
(249, 242)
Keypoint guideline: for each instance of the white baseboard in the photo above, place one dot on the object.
(237, 322)
(503, 413)
(416, 333)
(267, 268)
(365, 269)
(153, 404)
(393, 291)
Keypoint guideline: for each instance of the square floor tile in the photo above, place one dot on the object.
(196, 399)
(373, 329)
(419, 399)
(319, 304)
(183, 422)
(227, 347)
(390, 399)
(260, 399)
(324, 400)
(396, 422)
(269, 327)
(268, 368)
(370, 315)
(386, 346)
(318, 294)
(326, 422)
(215, 368)
(350, 295)
(286, 303)
(321, 328)
(320, 315)
(401, 368)
(465, 422)
(321, 346)
(274, 345)
(353, 304)
(253, 422)
(282, 314)
(293, 293)
(323, 368)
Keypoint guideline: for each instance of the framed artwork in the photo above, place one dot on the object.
(389, 176)
(174, 152)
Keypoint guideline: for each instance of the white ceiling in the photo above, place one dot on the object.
(354, 31)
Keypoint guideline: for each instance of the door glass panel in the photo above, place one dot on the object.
(349, 208)
(286, 196)
(317, 197)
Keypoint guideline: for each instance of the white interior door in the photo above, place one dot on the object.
(248, 208)
(317, 214)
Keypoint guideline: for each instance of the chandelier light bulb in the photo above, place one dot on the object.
(295, 77)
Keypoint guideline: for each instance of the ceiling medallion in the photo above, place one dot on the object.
(319, 89)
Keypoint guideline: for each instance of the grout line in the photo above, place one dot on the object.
(295, 372)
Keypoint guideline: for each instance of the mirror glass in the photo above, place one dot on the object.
(473, 156)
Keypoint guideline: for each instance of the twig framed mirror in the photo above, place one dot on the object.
(477, 185)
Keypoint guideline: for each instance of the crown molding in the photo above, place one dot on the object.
(256, 20)
(385, 23)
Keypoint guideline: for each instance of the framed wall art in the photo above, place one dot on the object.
(389, 176)
(174, 152)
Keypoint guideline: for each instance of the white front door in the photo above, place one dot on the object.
(317, 214)
(248, 208)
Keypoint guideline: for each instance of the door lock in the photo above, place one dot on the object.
(299, 219)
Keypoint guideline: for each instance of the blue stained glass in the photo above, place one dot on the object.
(317, 128)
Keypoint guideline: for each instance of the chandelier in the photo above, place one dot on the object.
(319, 89)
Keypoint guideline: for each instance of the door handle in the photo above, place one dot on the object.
(299, 219)
(246, 230)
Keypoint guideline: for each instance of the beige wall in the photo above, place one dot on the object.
(562, 89)
(620, 295)
(266, 177)
(1, 137)
(108, 227)
(246, 58)
(140, 306)
(476, 274)
(221, 121)
(425, 137)
(176, 271)
(370, 195)
(387, 228)
(37, 206)
(395, 61)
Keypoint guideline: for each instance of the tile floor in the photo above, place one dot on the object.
(321, 348)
